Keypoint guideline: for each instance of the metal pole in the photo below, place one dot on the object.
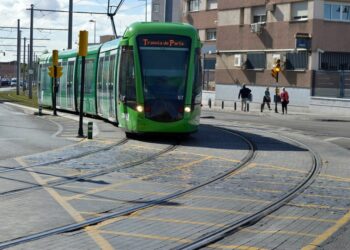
(95, 32)
(54, 89)
(146, 11)
(18, 55)
(81, 109)
(31, 52)
(24, 63)
(70, 24)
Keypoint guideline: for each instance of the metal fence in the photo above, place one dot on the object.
(334, 84)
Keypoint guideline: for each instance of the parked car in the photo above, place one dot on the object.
(5, 82)
(13, 82)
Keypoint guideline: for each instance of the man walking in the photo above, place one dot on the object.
(244, 93)
(277, 98)
(266, 100)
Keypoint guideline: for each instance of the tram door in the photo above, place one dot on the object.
(111, 87)
(63, 86)
(126, 86)
(99, 86)
(70, 88)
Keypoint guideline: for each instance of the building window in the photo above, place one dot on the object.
(193, 5)
(259, 14)
(299, 11)
(256, 61)
(156, 8)
(334, 61)
(212, 4)
(211, 34)
(337, 12)
(297, 61)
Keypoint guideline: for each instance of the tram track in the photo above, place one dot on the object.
(93, 221)
(250, 219)
(88, 176)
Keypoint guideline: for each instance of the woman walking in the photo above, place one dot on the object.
(284, 99)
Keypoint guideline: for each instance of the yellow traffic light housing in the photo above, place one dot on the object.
(276, 69)
(55, 57)
(83, 43)
(51, 71)
(55, 71)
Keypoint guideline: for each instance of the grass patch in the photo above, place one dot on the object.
(22, 98)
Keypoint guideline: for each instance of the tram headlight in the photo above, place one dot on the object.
(187, 109)
(139, 108)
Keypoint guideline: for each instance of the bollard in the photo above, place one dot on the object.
(248, 107)
(222, 105)
(90, 130)
(209, 103)
(235, 105)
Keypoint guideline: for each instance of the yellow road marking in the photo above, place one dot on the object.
(328, 233)
(283, 168)
(176, 221)
(100, 241)
(174, 239)
(277, 232)
(220, 246)
(109, 187)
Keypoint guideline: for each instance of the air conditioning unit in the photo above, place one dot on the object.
(238, 61)
(256, 28)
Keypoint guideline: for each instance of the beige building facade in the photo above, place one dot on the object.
(310, 37)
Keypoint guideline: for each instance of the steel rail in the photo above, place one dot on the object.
(266, 210)
(78, 226)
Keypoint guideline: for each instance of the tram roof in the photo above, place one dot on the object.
(159, 28)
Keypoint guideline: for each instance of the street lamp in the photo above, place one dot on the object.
(145, 9)
(94, 21)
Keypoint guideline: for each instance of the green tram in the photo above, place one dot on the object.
(147, 81)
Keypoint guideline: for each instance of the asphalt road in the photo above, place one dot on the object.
(22, 133)
(334, 129)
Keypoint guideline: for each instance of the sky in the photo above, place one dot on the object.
(12, 10)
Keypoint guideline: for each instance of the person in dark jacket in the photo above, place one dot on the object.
(266, 100)
(244, 93)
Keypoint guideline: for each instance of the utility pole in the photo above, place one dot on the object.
(31, 52)
(70, 24)
(18, 55)
(24, 64)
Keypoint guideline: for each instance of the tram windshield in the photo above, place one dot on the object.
(164, 63)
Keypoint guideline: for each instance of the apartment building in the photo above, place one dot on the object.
(167, 10)
(310, 37)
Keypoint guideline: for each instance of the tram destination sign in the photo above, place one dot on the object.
(163, 41)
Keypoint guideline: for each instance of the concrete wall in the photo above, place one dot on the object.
(229, 94)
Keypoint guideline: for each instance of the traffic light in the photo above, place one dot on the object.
(276, 69)
(59, 71)
(55, 71)
(52, 71)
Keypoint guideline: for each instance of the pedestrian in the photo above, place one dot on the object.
(244, 93)
(277, 98)
(266, 100)
(284, 100)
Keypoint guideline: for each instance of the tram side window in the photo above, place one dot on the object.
(70, 74)
(127, 87)
(45, 80)
(89, 76)
(111, 69)
(197, 83)
(100, 71)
